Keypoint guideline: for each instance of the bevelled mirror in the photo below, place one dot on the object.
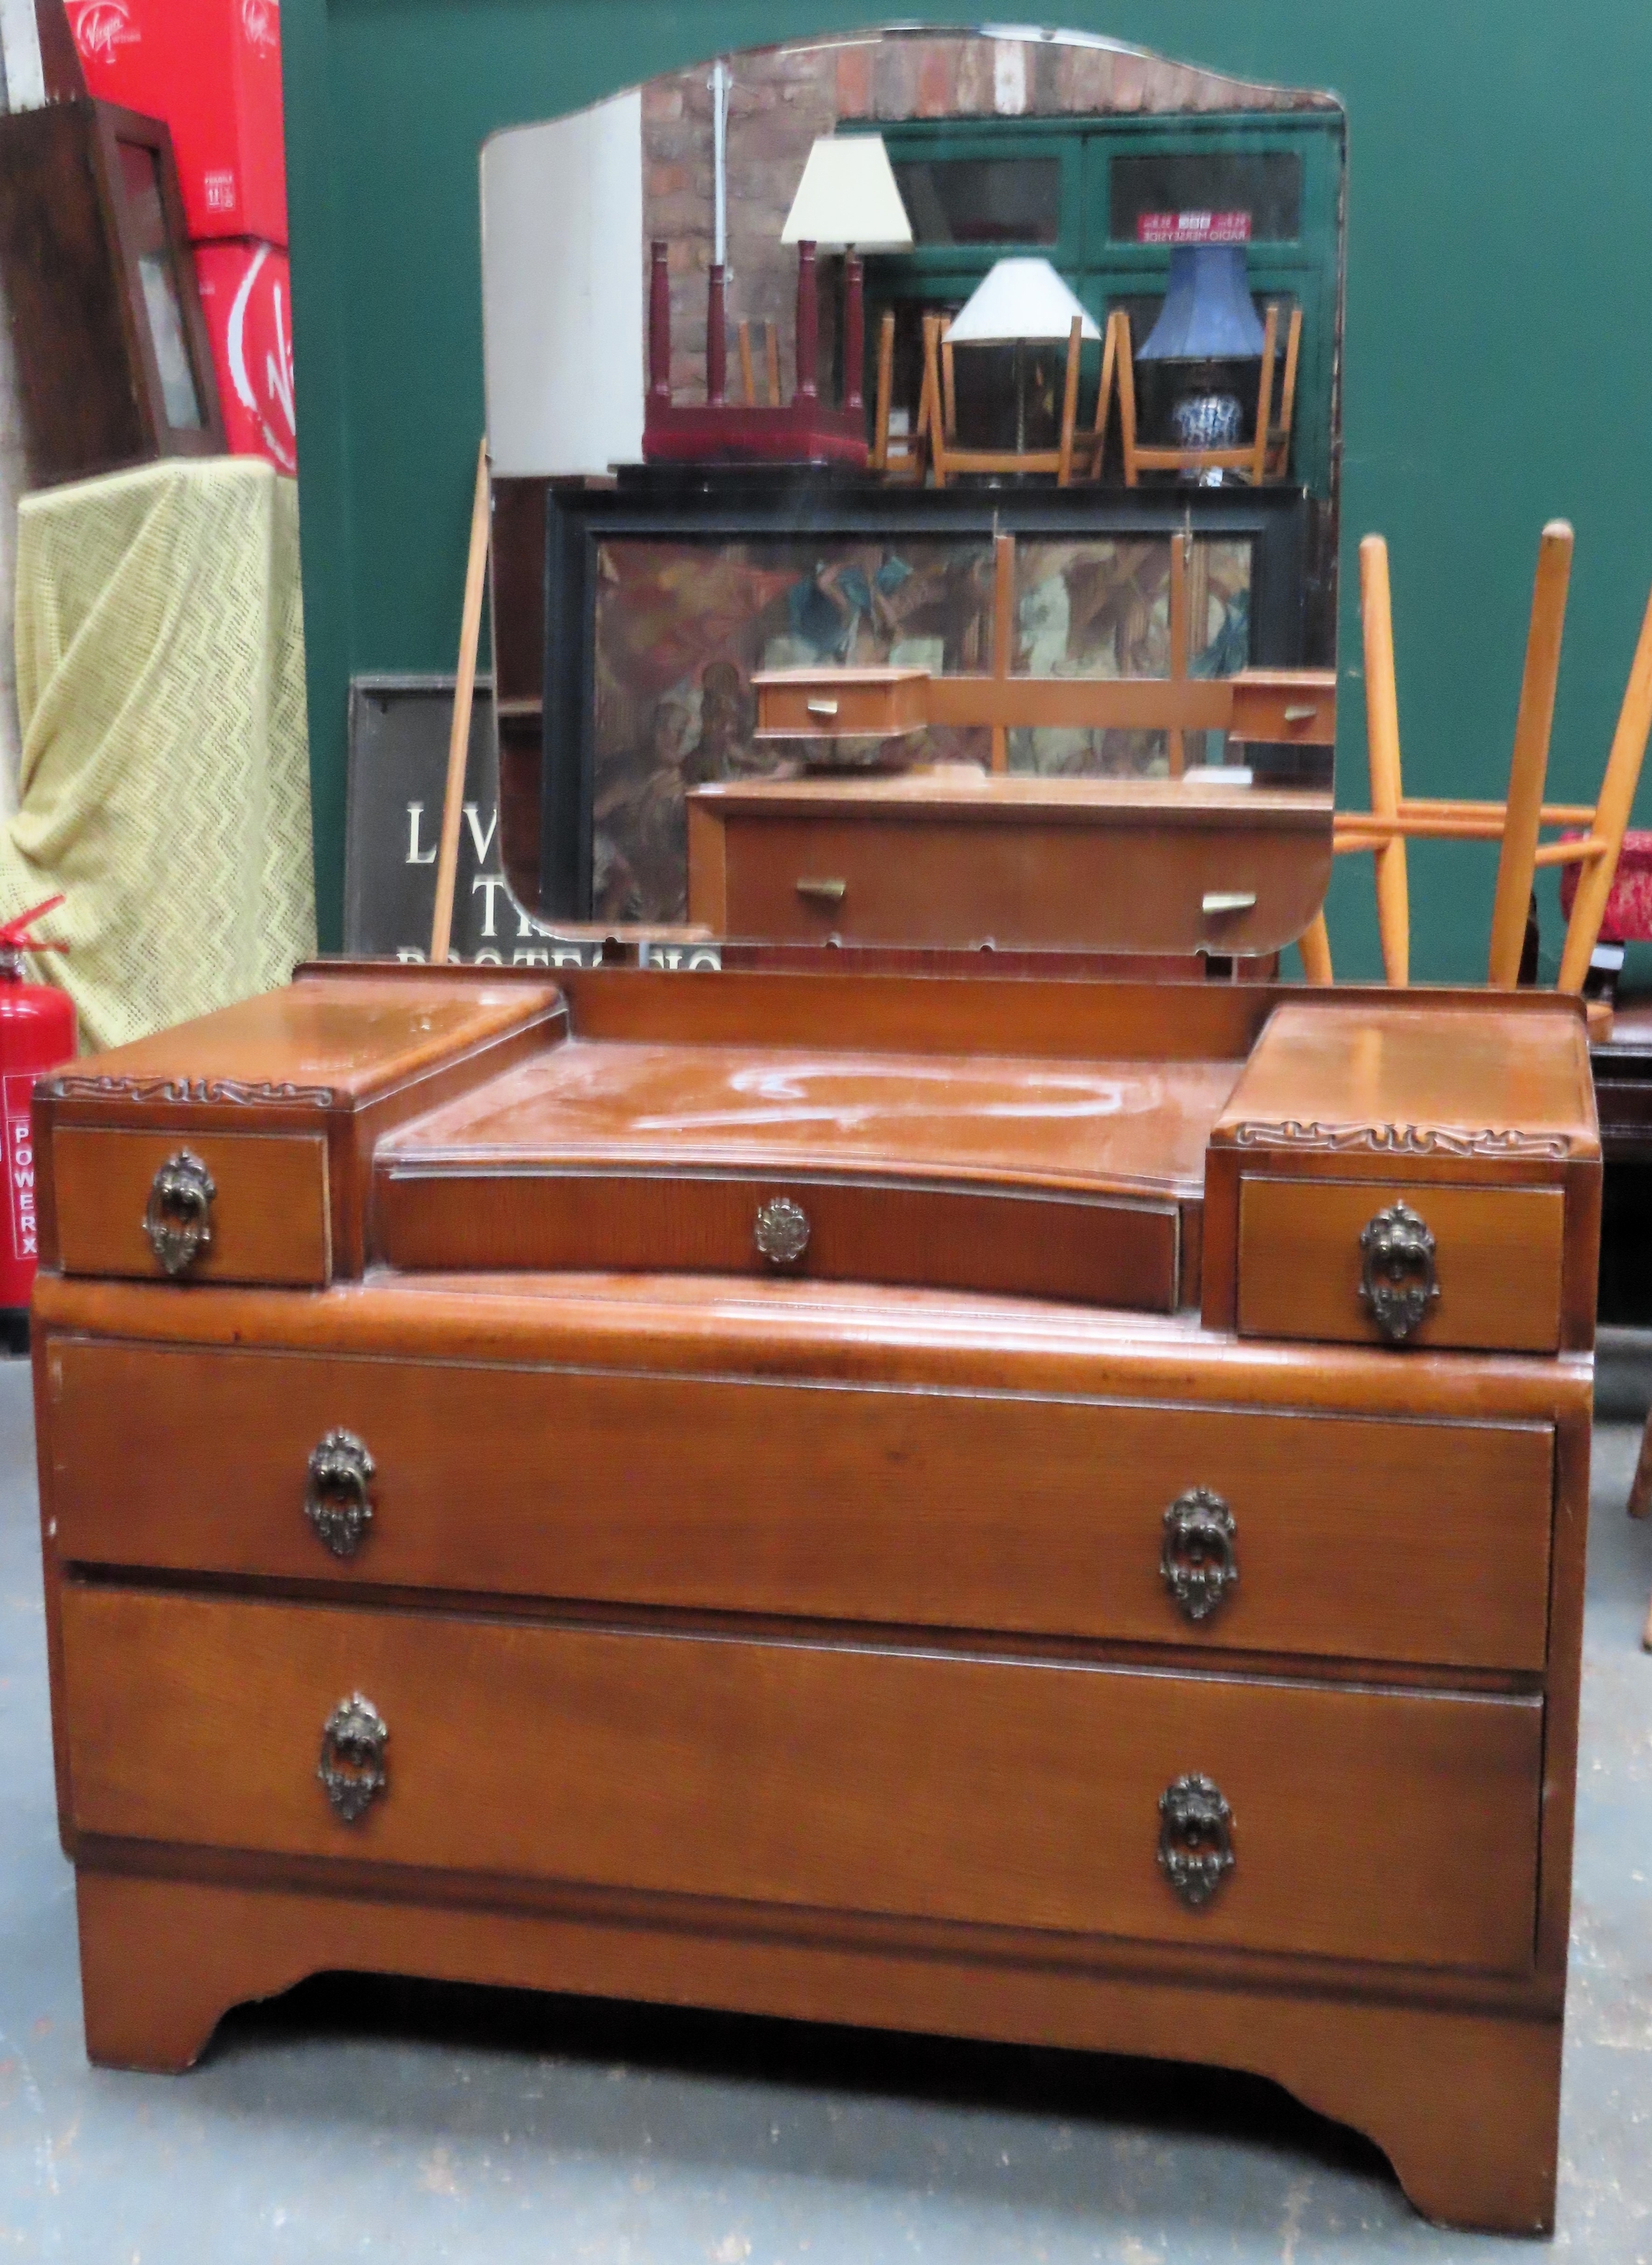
(916, 460)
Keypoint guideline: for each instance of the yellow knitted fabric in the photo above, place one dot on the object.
(163, 783)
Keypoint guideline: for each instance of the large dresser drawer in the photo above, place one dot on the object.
(263, 1203)
(1363, 1825)
(1426, 1543)
(1497, 1257)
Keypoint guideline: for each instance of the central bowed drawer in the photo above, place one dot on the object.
(1318, 1535)
(1335, 1823)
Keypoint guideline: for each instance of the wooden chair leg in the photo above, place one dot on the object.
(1126, 365)
(1382, 742)
(1264, 399)
(748, 382)
(1104, 396)
(1611, 814)
(1523, 809)
(1070, 403)
(885, 392)
(949, 384)
(1279, 444)
(1315, 944)
(935, 414)
(771, 356)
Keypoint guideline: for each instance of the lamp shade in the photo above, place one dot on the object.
(1207, 315)
(848, 197)
(1018, 298)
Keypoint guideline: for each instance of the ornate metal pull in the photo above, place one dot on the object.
(351, 1765)
(1197, 1561)
(177, 1218)
(1397, 1283)
(336, 1501)
(1196, 1843)
(781, 1232)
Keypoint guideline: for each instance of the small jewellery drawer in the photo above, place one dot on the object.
(1319, 1535)
(1301, 1820)
(1372, 1261)
(192, 1207)
(829, 703)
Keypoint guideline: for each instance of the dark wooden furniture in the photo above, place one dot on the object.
(961, 858)
(1045, 1510)
(113, 362)
(807, 431)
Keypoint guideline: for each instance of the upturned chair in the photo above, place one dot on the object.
(1394, 818)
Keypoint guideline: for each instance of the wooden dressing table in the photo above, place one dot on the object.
(1037, 1510)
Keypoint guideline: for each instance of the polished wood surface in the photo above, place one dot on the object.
(664, 1325)
(1010, 1177)
(967, 858)
(271, 1218)
(1485, 1070)
(1118, 1250)
(1499, 1254)
(807, 1644)
(1041, 1514)
(1463, 2101)
(330, 1064)
(983, 1117)
(1011, 1794)
(830, 703)
(1427, 1105)
(353, 1033)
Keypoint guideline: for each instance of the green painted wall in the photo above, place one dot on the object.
(1499, 344)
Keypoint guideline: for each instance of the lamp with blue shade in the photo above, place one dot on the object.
(1207, 316)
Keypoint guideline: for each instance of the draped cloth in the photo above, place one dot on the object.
(164, 776)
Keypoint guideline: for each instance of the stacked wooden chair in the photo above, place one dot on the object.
(1591, 833)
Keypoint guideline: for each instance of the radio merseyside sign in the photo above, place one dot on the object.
(1193, 227)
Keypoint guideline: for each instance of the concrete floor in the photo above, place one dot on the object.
(358, 2119)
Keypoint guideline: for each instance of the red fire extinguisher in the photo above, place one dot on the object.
(37, 1033)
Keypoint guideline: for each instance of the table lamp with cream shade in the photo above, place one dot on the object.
(1017, 301)
(847, 202)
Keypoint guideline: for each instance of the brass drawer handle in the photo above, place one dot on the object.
(351, 1765)
(1398, 1282)
(822, 707)
(177, 1218)
(1197, 1562)
(337, 1502)
(824, 893)
(1300, 715)
(1196, 1840)
(781, 1232)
